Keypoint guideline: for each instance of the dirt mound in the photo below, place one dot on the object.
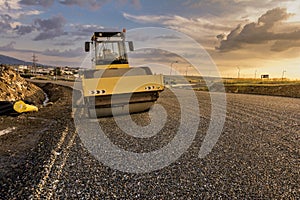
(284, 90)
(13, 87)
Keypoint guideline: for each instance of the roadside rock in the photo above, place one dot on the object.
(13, 87)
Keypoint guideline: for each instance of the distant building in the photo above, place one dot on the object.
(21, 68)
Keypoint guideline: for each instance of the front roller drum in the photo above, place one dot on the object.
(119, 110)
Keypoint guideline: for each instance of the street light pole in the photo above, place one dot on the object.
(172, 66)
(283, 74)
(186, 69)
(239, 71)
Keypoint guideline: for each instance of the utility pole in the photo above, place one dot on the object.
(34, 60)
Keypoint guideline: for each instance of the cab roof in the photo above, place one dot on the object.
(107, 34)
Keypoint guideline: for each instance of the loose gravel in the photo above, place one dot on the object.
(256, 157)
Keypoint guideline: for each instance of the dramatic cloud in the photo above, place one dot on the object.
(281, 45)
(47, 28)
(93, 4)
(44, 3)
(195, 27)
(96, 4)
(56, 22)
(70, 53)
(178, 21)
(225, 8)
(11, 13)
(9, 5)
(22, 30)
(262, 32)
(85, 30)
(50, 28)
(8, 47)
(5, 23)
(14, 9)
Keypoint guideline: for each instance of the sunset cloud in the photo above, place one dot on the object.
(262, 32)
(201, 29)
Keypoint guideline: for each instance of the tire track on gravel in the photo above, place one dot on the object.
(56, 163)
(267, 104)
(264, 118)
(247, 162)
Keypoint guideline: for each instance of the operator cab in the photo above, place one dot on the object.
(109, 48)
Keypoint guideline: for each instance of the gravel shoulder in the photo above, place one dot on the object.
(27, 147)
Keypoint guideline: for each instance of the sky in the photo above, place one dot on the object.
(243, 38)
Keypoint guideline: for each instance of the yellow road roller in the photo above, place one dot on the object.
(112, 87)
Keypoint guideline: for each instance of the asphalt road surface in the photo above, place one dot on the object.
(257, 155)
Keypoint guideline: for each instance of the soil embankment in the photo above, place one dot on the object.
(288, 90)
(283, 90)
(13, 87)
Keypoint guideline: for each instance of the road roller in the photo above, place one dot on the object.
(112, 86)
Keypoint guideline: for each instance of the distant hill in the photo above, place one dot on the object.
(13, 61)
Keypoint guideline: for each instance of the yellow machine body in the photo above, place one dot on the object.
(120, 85)
(113, 84)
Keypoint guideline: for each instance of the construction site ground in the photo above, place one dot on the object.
(257, 155)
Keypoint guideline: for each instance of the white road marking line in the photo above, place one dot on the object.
(48, 167)
(6, 131)
(66, 153)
